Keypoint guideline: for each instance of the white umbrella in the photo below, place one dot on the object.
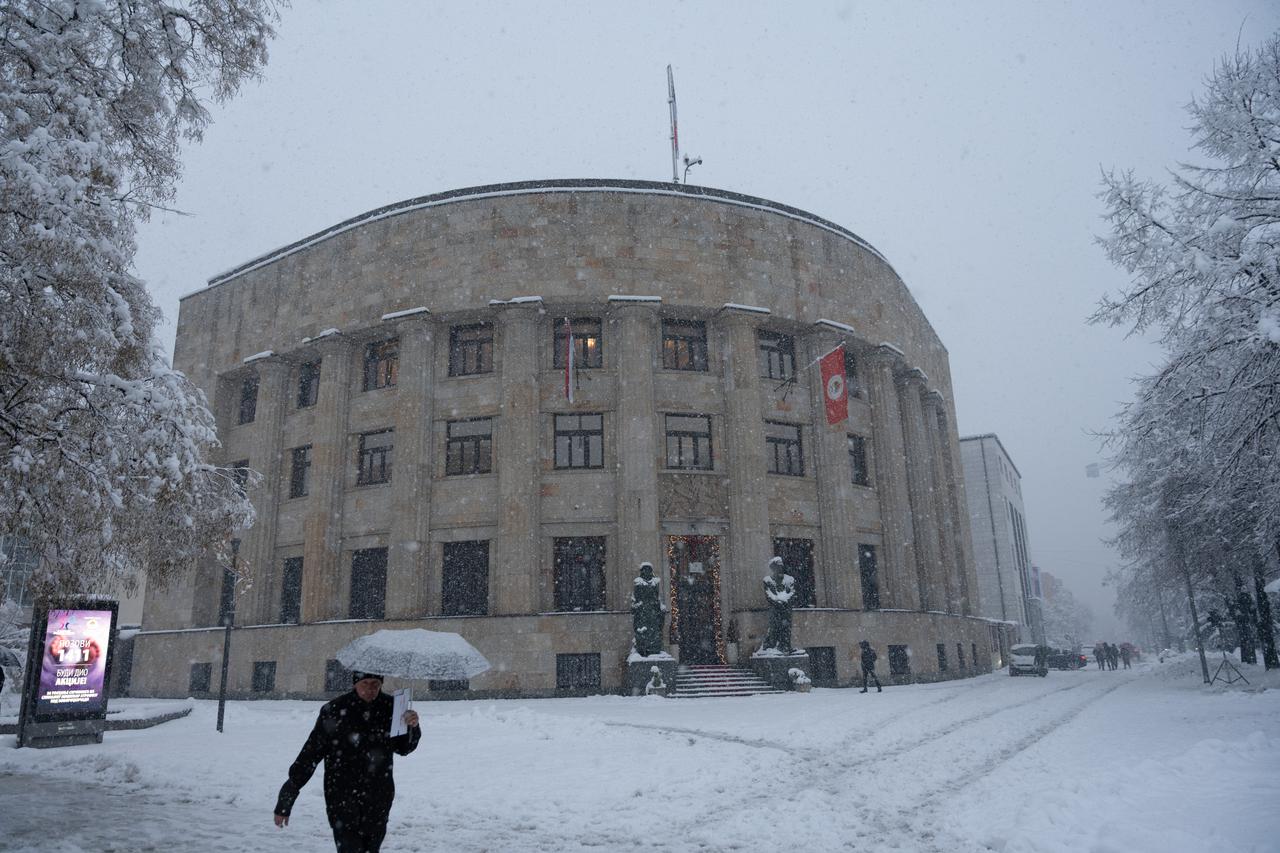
(414, 653)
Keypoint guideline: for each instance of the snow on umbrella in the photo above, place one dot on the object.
(414, 653)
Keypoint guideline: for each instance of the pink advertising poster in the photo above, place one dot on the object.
(74, 662)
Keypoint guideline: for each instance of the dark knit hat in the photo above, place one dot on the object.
(360, 676)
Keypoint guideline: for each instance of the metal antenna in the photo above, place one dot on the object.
(675, 136)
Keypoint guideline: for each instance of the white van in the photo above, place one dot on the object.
(1024, 660)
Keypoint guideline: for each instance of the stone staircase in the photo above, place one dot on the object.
(699, 681)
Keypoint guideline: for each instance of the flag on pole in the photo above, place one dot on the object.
(834, 391)
(568, 360)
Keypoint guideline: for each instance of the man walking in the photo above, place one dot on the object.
(869, 666)
(352, 736)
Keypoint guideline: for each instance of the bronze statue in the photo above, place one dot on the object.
(780, 589)
(647, 612)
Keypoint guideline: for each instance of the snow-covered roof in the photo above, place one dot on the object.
(408, 312)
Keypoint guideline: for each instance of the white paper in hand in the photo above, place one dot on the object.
(399, 704)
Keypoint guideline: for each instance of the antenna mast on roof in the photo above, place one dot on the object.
(675, 136)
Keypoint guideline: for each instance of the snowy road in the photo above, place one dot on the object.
(1079, 761)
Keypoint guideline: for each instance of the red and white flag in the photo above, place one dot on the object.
(834, 391)
(568, 360)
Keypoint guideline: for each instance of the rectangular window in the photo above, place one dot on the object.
(858, 460)
(689, 442)
(337, 678)
(579, 441)
(471, 349)
(464, 580)
(942, 657)
(783, 450)
(368, 583)
(291, 591)
(960, 655)
(248, 399)
(869, 574)
(684, 345)
(579, 573)
(587, 350)
(823, 661)
(973, 648)
(308, 384)
(851, 384)
(797, 561)
(777, 355)
(578, 672)
(375, 457)
(227, 595)
(458, 686)
(264, 676)
(201, 678)
(381, 364)
(299, 471)
(240, 474)
(468, 446)
(899, 660)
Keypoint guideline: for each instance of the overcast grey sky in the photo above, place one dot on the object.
(963, 140)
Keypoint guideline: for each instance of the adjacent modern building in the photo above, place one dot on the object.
(1008, 584)
(429, 458)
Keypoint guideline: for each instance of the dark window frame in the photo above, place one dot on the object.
(579, 672)
(201, 678)
(264, 676)
(381, 364)
(584, 443)
(578, 583)
(248, 410)
(684, 345)
(308, 383)
(799, 561)
(337, 678)
(776, 355)
(464, 586)
(588, 344)
(693, 450)
(960, 656)
(299, 471)
(373, 464)
(785, 455)
(471, 349)
(869, 576)
(858, 460)
(468, 454)
(852, 385)
(900, 659)
(943, 665)
(291, 569)
(822, 662)
(240, 474)
(368, 598)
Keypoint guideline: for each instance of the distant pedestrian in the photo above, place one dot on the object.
(1124, 655)
(352, 736)
(1100, 654)
(869, 666)
(1113, 657)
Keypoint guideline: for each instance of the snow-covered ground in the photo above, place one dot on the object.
(1103, 762)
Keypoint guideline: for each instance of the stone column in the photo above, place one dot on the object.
(898, 564)
(411, 470)
(515, 558)
(262, 606)
(200, 592)
(944, 510)
(838, 581)
(749, 543)
(912, 384)
(966, 578)
(639, 540)
(330, 467)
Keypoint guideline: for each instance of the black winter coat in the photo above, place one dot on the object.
(868, 659)
(352, 738)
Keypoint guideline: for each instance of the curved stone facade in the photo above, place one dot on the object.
(397, 380)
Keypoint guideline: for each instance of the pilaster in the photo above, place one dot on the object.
(262, 604)
(944, 510)
(912, 384)
(838, 571)
(966, 577)
(322, 528)
(898, 564)
(636, 348)
(514, 560)
(408, 553)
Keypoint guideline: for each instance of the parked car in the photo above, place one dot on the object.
(1028, 659)
(1066, 659)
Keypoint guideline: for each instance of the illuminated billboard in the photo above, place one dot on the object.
(73, 662)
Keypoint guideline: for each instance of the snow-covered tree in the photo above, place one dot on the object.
(102, 443)
(1199, 444)
(1066, 618)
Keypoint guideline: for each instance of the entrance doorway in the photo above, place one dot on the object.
(695, 598)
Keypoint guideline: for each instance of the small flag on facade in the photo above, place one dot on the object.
(568, 360)
(834, 390)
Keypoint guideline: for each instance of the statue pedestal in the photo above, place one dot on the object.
(640, 671)
(773, 668)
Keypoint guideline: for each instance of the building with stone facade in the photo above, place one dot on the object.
(1008, 588)
(399, 381)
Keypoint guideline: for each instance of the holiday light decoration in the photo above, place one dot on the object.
(676, 545)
